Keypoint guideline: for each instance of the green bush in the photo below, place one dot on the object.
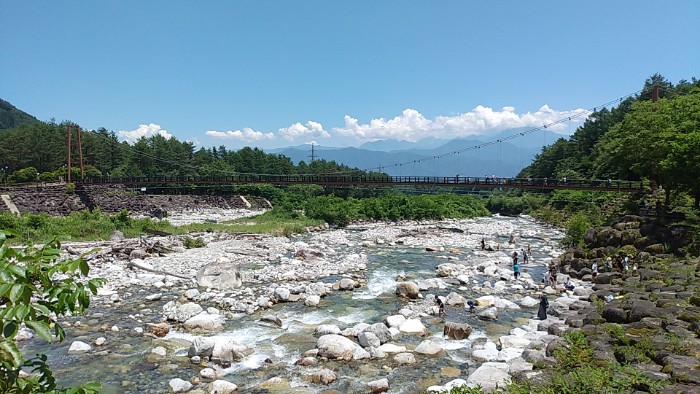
(191, 243)
(32, 294)
(576, 229)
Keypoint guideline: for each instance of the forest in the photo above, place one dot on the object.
(641, 138)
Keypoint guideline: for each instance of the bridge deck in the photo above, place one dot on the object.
(364, 180)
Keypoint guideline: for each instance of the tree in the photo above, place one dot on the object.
(36, 287)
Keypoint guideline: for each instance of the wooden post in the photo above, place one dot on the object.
(80, 150)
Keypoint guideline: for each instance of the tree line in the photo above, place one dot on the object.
(641, 138)
(38, 151)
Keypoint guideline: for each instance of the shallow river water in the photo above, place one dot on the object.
(125, 363)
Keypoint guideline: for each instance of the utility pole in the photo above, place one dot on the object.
(313, 153)
(80, 149)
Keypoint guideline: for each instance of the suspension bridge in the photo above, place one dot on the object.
(462, 182)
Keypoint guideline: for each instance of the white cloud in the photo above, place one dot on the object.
(143, 130)
(411, 125)
(298, 130)
(247, 134)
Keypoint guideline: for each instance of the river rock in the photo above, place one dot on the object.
(334, 346)
(486, 301)
(381, 331)
(429, 348)
(221, 387)
(204, 322)
(489, 352)
(405, 359)
(392, 348)
(395, 320)
(201, 347)
(274, 319)
(488, 314)
(323, 376)
(456, 330)
(282, 294)
(528, 302)
(454, 299)
(325, 329)
(413, 326)
(178, 385)
(312, 300)
(347, 284)
(378, 386)
(408, 290)
(489, 376)
(158, 329)
(181, 312)
(226, 350)
(368, 339)
(79, 347)
(222, 274)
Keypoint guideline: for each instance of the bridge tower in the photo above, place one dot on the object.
(80, 156)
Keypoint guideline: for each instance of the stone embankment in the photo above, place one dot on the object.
(647, 314)
(57, 200)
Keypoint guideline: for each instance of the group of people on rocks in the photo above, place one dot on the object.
(621, 264)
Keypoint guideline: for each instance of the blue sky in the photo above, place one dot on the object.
(281, 73)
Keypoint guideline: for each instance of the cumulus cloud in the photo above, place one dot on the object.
(247, 135)
(411, 125)
(298, 130)
(144, 130)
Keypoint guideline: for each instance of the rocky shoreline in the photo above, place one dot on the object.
(261, 272)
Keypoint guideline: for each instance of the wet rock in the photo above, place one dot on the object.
(226, 350)
(79, 347)
(488, 314)
(158, 329)
(454, 299)
(282, 294)
(221, 387)
(378, 386)
(429, 348)
(312, 300)
(325, 329)
(454, 330)
(413, 326)
(381, 331)
(272, 319)
(339, 347)
(204, 322)
(368, 339)
(395, 320)
(347, 284)
(323, 376)
(408, 290)
(178, 385)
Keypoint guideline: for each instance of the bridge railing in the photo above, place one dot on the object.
(465, 181)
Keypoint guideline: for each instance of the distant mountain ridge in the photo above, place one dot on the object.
(10, 116)
(474, 156)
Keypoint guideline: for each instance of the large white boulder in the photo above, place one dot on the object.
(413, 326)
(334, 346)
(204, 322)
(489, 376)
(222, 274)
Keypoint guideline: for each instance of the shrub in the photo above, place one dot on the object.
(34, 293)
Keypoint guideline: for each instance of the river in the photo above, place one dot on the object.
(126, 364)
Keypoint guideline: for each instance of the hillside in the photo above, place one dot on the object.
(10, 116)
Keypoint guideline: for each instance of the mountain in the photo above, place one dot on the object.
(393, 145)
(10, 116)
(476, 156)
